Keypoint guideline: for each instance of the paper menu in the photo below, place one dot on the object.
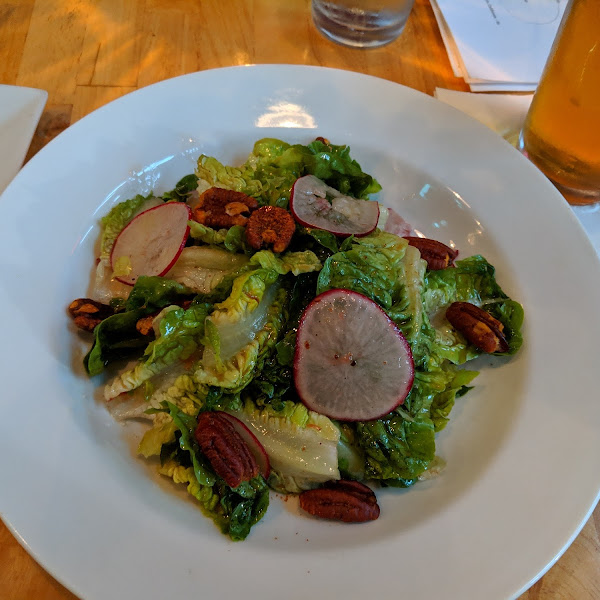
(499, 45)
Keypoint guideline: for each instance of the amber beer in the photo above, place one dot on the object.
(561, 134)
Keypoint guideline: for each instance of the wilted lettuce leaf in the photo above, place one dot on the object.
(456, 385)
(288, 262)
(183, 188)
(117, 337)
(180, 335)
(203, 268)
(325, 238)
(154, 293)
(248, 325)
(207, 235)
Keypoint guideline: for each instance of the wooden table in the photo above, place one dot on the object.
(86, 53)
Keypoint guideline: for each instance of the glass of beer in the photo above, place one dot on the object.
(561, 134)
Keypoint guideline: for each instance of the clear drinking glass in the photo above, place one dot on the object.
(561, 134)
(361, 23)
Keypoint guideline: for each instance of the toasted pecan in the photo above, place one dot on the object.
(437, 255)
(225, 449)
(477, 326)
(323, 140)
(341, 500)
(270, 226)
(220, 208)
(88, 313)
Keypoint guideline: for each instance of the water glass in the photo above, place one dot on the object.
(561, 134)
(361, 23)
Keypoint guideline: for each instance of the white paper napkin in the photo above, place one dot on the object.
(20, 111)
(505, 113)
(498, 45)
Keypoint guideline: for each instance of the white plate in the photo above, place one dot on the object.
(20, 110)
(523, 449)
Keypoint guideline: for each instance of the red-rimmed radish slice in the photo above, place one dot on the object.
(315, 204)
(152, 242)
(256, 448)
(352, 363)
(392, 222)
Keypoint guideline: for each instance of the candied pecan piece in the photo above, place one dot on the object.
(218, 207)
(342, 500)
(478, 326)
(225, 449)
(272, 226)
(144, 325)
(87, 313)
(437, 255)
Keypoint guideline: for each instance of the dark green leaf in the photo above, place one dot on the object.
(184, 187)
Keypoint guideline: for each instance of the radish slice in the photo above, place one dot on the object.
(151, 243)
(315, 204)
(351, 362)
(255, 447)
(392, 222)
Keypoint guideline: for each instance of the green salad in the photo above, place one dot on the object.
(200, 295)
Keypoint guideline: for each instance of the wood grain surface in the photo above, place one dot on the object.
(86, 53)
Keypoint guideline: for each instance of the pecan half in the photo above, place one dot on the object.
(87, 313)
(218, 207)
(272, 226)
(225, 449)
(478, 326)
(437, 255)
(342, 500)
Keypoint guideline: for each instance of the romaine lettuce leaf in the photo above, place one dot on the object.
(273, 166)
(301, 444)
(471, 280)
(203, 268)
(212, 173)
(180, 335)
(245, 337)
(162, 432)
(207, 235)
(371, 266)
(289, 262)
